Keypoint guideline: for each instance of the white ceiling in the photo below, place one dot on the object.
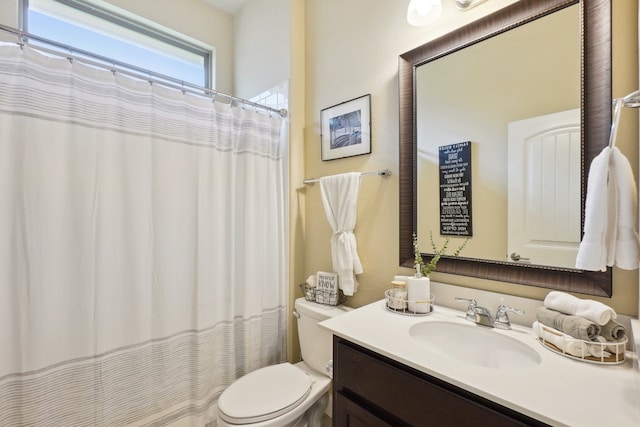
(229, 6)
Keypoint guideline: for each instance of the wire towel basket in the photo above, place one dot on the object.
(609, 353)
(321, 296)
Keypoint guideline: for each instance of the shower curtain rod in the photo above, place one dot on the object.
(122, 67)
(385, 173)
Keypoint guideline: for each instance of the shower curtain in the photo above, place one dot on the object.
(141, 247)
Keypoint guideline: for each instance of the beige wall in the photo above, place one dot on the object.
(297, 89)
(262, 56)
(352, 49)
(9, 13)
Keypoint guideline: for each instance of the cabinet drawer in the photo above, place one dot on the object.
(349, 414)
(388, 387)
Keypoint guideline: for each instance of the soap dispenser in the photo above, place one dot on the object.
(419, 293)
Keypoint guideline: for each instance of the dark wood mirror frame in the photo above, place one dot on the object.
(596, 95)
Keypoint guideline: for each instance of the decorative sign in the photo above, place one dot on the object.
(326, 287)
(455, 189)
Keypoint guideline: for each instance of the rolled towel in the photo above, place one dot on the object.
(311, 281)
(577, 327)
(589, 309)
(562, 341)
(598, 350)
(613, 346)
(616, 347)
(613, 331)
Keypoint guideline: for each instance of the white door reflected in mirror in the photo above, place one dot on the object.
(544, 189)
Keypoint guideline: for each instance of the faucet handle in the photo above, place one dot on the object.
(471, 309)
(502, 319)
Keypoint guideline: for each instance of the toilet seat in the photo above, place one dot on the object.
(264, 394)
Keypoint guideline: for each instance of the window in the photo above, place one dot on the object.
(90, 28)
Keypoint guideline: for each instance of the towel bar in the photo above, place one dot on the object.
(385, 173)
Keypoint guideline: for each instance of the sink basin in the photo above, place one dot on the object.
(474, 344)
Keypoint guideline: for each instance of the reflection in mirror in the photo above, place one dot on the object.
(526, 192)
(595, 120)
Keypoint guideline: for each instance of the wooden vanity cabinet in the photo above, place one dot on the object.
(370, 390)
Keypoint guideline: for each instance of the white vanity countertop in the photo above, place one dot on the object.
(559, 391)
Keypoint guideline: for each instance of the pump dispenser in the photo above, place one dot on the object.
(419, 293)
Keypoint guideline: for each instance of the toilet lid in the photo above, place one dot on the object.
(264, 394)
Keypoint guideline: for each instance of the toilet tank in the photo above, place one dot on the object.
(316, 342)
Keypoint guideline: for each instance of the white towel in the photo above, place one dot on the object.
(340, 199)
(599, 216)
(589, 309)
(615, 347)
(627, 248)
(311, 281)
(564, 342)
(598, 350)
(610, 237)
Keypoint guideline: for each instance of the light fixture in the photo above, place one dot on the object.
(423, 12)
(468, 4)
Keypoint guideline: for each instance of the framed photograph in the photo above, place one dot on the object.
(346, 129)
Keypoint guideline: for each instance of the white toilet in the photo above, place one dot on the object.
(287, 395)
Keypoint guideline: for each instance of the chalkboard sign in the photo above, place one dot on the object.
(455, 189)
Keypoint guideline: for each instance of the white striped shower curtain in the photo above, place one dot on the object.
(141, 247)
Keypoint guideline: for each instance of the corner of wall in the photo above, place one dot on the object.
(296, 168)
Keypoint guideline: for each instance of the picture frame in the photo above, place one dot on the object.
(345, 129)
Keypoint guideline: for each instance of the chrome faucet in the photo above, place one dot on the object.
(482, 316)
(471, 309)
(502, 319)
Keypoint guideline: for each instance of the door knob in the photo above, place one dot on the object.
(516, 257)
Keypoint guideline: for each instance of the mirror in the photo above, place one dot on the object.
(508, 97)
(594, 95)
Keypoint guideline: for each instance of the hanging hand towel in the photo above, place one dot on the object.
(599, 216)
(610, 216)
(627, 246)
(340, 199)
